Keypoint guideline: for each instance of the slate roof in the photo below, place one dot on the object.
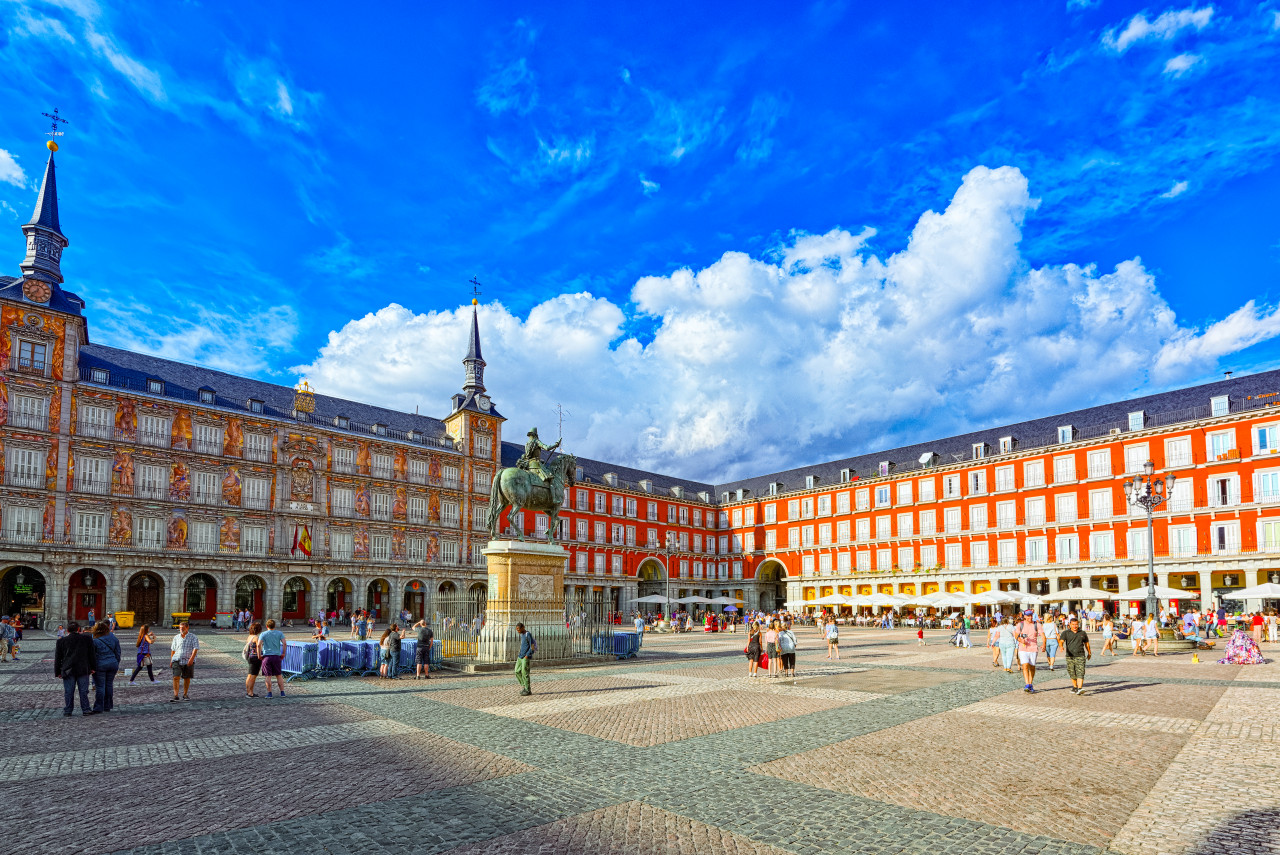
(46, 212)
(1163, 408)
(593, 472)
(61, 301)
(132, 370)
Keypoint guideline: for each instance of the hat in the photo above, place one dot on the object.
(1029, 612)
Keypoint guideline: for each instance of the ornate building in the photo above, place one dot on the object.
(133, 482)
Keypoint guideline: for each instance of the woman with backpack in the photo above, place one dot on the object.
(787, 650)
(832, 635)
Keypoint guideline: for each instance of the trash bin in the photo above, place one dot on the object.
(179, 617)
(124, 620)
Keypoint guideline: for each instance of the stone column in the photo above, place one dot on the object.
(1206, 590)
(526, 585)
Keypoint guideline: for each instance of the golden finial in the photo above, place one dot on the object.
(474, 301)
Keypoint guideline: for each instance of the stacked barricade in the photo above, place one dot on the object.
(318, 660)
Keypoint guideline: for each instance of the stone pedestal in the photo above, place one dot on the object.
(526, 585)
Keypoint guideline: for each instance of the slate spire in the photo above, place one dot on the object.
(45, 240)
(474, 362)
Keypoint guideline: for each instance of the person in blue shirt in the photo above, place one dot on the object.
(271, 647)
(527, 648)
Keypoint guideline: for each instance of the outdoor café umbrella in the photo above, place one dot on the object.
(992, 598)
(1265, 591)
(883, 600)
(1162, 593)
(725, 601)
(655, 598)
(695, 600)
(1077, 594)
(831, 600)
(1031, 600)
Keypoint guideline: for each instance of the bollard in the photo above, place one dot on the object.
(1195, 658)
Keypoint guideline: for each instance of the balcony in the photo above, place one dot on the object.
(384, 472)
(255, 502)
(30, 421)
(1177, 460)
(151, 491)
(260, 455)
(346, 511)
(156, 439)
(206, 447)
(95, 430)
(1099, 470)
(29, 365)
(24, 477)
(343, 467)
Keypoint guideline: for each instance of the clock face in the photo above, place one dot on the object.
(36, 290)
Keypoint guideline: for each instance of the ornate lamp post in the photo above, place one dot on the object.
(669, 550)
(1147, 491)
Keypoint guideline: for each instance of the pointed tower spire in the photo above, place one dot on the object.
(45, 240)
(474, 362)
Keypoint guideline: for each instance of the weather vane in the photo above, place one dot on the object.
(561, 412)
(53, 131)
(475, 288)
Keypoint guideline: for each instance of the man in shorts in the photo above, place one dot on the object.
(182, 659)
(362, 628)
(422, 656)
(1029, 635)
(271, 647)
(1075, 643)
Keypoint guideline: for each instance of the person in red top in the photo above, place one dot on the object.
(1255, 626)
(1030, 638)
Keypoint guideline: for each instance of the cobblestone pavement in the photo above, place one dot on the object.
(894, 748)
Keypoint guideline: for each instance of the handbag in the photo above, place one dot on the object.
(764, 660)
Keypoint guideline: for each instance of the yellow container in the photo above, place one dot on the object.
(179, 617)
(124, 620)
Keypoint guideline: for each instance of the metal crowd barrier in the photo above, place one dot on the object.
(317, 660)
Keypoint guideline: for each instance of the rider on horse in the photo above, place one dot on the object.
(531, 460)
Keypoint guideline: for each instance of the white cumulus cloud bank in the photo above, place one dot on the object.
(10, 171)
(1163, 28)
(819, 350)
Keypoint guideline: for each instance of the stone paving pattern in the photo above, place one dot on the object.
(893, 749)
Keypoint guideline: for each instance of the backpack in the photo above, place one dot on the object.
(833, 633)
(786, 641)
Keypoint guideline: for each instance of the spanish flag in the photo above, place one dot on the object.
(301, 540)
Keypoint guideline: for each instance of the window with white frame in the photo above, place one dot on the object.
(1037, 551)
(1064, 469)
(93, 474)
(928, 488)
(864, 562)
(1224, 538)
(417, 509)
(1006, 514)
(770, 540)
(1006, 444)
(793, 509)
(616, 564)
(951, 486)
(1266, 439)
(599, 532)
(147, 532)
(1221, 444)
(484, 445)
(978, 554)
(978, 483)
(1135, 457)
(1177, 451)
(844, 563)
(862, 499)
(906, 525)
(737, 517)
(1065, 434)
(862, 529)
(93, 421)
(619, 502)
(1136, 543)
(91, 528)
(631, 508)
(652, 510)
(1035, 510)
(884, 527)
(1004, 478)
(257, 446)
(842, 531)
(951, 520)
(253, 539)
(257, 492)
(1102, 546)
(906, 558)
(449, 513)
(599, 564)
(28, 411)
(978, 517)
(979, 450)
(1182, 540)
(483, 480)
(824, 534)
(153, 430)
(208, 439)
(203, 537)
(807, 565)
(1064, 508)
(1266, 486)
(1100, 504)
(1219, 405)
(25, 467)
(417, 549)
(1136, 420)
(770, 514)
(824, 564)
(21, 525)
(452, 476)
(449, 551)
(1066, 548)
(580, 562)
(842, 503)
(884, 560)
(341, 544)
(904, 492)
(417, 470)
(153, 481)
(806, 508)
(748, 516)
(1007, 553)
(602, 504)
(343, 500)
(1033, 473)
(928, 522)
(954, 553)
(1182, 498)
(1224, 491)
(1100, 463)
(928, 556)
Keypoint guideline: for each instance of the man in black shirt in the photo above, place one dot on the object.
(422, 656)
(1075, 643)
(74, 658)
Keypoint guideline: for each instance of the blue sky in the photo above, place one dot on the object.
(277, 193)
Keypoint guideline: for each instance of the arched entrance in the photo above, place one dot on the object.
(448, 588)
(479, 595)
(22, 593)
(200, 596)
(338, 595)
(294, 606)
(651, 578)
(771, 583)
(145, 598)
(86, 595)
(378, 599)
(250, 593)
(415, 599)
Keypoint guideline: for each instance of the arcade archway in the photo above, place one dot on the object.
(338, 596)
(200, 597)
(296, 595)
(250, 594)
(771, 584)
(145, 598)
(86, 595)
(22, 593)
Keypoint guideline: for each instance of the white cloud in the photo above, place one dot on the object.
(821, 349)
(649, 187)
(511, 86)
(10, 171)
(1176, 190)
(1275, 20)
(283, 102)
(1076, 5)
(1164, 27)
(1182, 63)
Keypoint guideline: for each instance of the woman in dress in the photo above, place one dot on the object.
(1007, 644)
(146, 638)
(1108, 636)
(771, 647)
(253, 659)
(753, 649)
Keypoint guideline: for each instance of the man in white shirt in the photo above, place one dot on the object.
(182, 659)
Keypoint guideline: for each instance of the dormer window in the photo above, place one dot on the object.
(773, 488)
(979, 450)
(884, 468)
(611, 479)
(1137, 420)
(380, 429)
(414, 436)
(156, 387)
(1220, 405)
(1065, 434)
(207, 396)
(844, 475)
(724, 497)
(742, 494)
(1006, 444)
(577, 474)
(255, 406)
(99, 375)
(300, 415)
(342, 422)
(810, 481)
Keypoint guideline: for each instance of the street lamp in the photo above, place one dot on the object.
(669, 550)
(1147, 491)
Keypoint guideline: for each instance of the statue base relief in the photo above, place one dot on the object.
(526, 585)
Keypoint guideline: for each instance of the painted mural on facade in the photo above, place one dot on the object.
(231, 487)
(122, 474)
(121, 531)
(229, 535)
(233, 438)
(176, 531)
(126, 421)
(180, 482)
(180, 435)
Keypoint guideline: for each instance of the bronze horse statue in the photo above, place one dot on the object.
(518, 489)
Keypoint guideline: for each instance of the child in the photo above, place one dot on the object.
(920, 636)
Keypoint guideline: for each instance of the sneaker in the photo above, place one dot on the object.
(269, 695)
(282, 693)
(1080, 691)
(524, 692)
(1031, 690)
(175, 700)
(131, 683)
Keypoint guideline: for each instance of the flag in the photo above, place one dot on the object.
(301, 540)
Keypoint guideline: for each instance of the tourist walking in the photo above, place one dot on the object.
(1029, 642)
(253, 659)
(271, 647)
(182, 660)
(1075, 643)
(422, 656)
(146, 638)
(1051, 639)
(1153, 636)
(787, 651)
(528, 647)
(75, 657)
(104, 675)
(1109, 635)
(8, 640)
(1255, 626)
(833, 639)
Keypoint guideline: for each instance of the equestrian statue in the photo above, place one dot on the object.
(532, 484)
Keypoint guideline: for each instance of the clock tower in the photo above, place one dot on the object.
(45, 240)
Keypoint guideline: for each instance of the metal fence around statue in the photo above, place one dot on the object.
(472, 632)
